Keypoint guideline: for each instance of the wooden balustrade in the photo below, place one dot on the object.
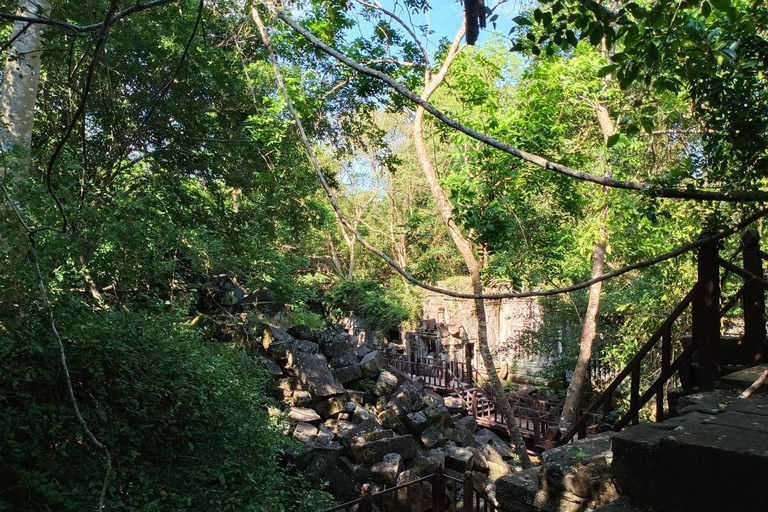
(449, 494)
(707, 311)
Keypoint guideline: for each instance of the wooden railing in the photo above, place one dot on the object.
(534, 416)
(447, 494)
(707, 312)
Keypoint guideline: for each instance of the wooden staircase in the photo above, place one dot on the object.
(700, 361)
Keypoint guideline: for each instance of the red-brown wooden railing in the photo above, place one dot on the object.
(534, 416)
(706, 314)
(448, 494)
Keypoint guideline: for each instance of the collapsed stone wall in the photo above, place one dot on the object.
(507, 320)
(360, 423)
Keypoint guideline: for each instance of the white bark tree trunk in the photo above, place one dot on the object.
(18, 92)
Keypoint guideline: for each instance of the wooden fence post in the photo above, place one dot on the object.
(446, 374)
(366, 499)
(706, 315)
(753, 301)
(469, 491)
(634, 393)
(469, 354)
(438, 490)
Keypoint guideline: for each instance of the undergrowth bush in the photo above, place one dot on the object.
(368, 300)
(186, 421)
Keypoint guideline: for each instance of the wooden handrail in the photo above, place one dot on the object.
(438, 479)
(684, 356)
(749, 276)
(605, 396)
(733, 300)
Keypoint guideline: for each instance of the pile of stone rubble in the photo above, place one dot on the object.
(361, 423)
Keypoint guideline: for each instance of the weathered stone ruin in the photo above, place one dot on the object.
(360, 423)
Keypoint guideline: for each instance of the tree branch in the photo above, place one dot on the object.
(377, 6)
(645, 188)
(400, 270)
(81, 29)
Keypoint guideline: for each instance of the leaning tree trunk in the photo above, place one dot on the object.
(569, 415)
(18, 92)
(464, 245)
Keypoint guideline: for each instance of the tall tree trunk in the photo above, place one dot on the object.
(18, 92)
(351, 267)
(569, 414)
(464, 245)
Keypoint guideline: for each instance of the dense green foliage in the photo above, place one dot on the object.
(185, 420)
(711, 50)
(185, 166)
(367, 300)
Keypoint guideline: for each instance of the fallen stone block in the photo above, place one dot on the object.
(301, 398)
(579, 467)
(372, 452)
(417, 422)
(357, 433)
(305, 432)
(458, 459)
(390, 420)
(433, 437)
(303, 415)
(347, 358)
(362, 414)
(306, 346)
(347, 374)
(273, 369)
(386, 384)
(312, 372)
(386, 471)
(337, 345)
(358, 472)
(372, 364)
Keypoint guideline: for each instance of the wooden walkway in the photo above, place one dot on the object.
(452, 379)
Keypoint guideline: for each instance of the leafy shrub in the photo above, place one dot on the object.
(367, 300)
(185, 421)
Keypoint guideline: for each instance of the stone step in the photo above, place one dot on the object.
(703, 460)
(572, 478)
(620, 505)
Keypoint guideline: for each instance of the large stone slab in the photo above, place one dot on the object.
(702, 460)
(312, 372)
(337, 345)
(347, 374)
(519, 492)
(745, 378)
(357, 434)
(386, 472)
(348, 358)
(494, 448)
(303, 415)
(371, 452)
